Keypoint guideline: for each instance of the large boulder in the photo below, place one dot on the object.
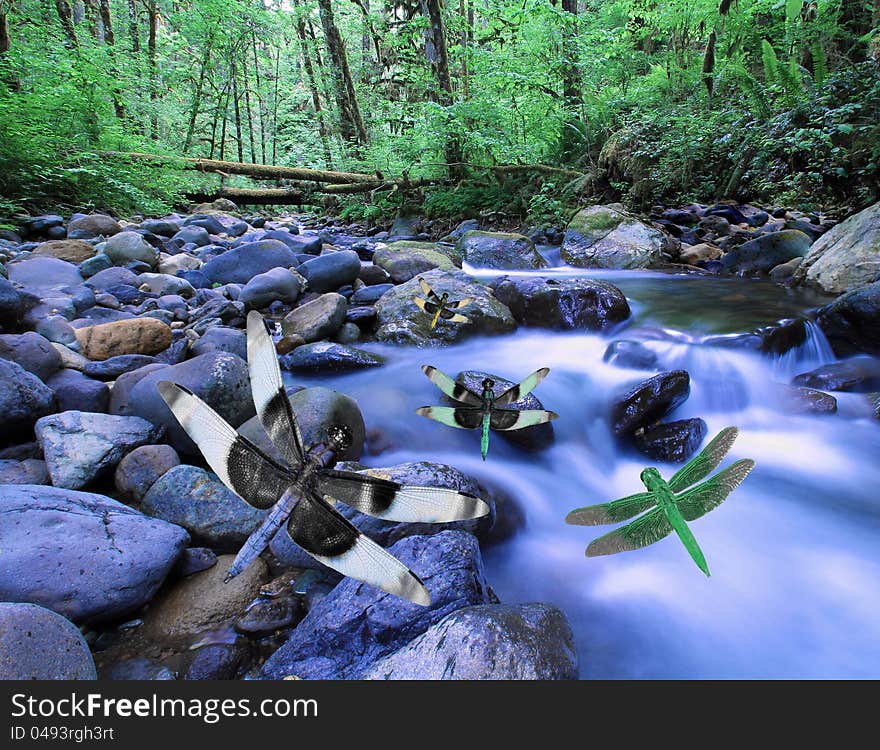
(845, 257)
(498, 250)
(325, 356)
(73, 251)
(852, 322)
(94, 225)
(765, 252)
(130, 336)
(859, 374)
(648, 401)
(318, 319)
(404, 260)
(197, 500)
(125, 247)
(277, 284)
(401, 322)
(14, 304)
(673, 442)
(328, 272)
(39, 644)
(79, 446)
(487, 642)
(44, 272)
(32, 351)
(218, 378)
(563, 304)
(23, 400)
(609, 237)
(82, 555)
(241, 264)
(221, 339)
(356, 624)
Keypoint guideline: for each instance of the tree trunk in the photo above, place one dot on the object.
(260, 103)
(66, 17)
(133, 27)
(197, 97)
(4, 33)
(316, 99)
(92, 15)
(153, 12)
(107, 23)
(441, 68)
(571, 79)
(236, 110)
(247, 107)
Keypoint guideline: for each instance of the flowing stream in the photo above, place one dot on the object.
(794, 552)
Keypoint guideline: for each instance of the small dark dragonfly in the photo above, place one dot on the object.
(485, 411)
(302, 494)
(440, 306)
(675, 505)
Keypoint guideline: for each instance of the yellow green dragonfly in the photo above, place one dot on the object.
(440, 306)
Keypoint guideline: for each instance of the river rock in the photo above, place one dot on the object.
(563, 304)
(673, 442)
(330, 271)
(498, 250)
(171, 264)
(650, 400)
(32, 351)
(192, 235)
(764, 253)
(221, 339)
(851, 322)
(860, 374)
(609, 237)
(276, 285)
(318, 319)
(218, 378)
(487, 642)
(39, 226)
(847, 256)
(241, 264)
(194, 560)
(404, 260)
(79, 446)
(325, 357)
(82, 555)
(166, 227)
(401, 322)
(43, 272)
(131, 336)
(94, 225)
(217, 661)
(23, 400)
(630, 354)
(14, 304)
(162, 284)
(137, 668)
(356, 624)
(202, 504)
(308, 244)
(369, 295)
(111, 277)
(125, 247)
(38, 644)
(794, 399)
(73, 251)
(267, 615)
(74, 391)
(694, 254)
(784, 273)
(139, 470)
(56, 329)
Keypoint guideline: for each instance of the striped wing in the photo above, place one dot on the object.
(699, 500)
(386, 499)
(454, 416)
(270, 398)
(453, 317)
(527, 386)
(428, 292)
(328, 537)
(705, 462)
(613, 512)
(645, 530)
(451, 388)
(241, 466)
(458, 304)
(424, 305)
(510, 419)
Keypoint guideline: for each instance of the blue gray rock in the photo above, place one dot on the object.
(851, 322)
(221, 339)
(26, 471)
(325, 357)
(38, 272)
(648, 401)
(194, 235)
(672, 442)
(318, 319)
(125, 247)
(110, 277)
(242, 263)
(24, 398)
(14, 304)
(93, 225)
(75, 391)
(369, 295)
(610, 237)
(498, 250)
(32, 351)
(276, 285)
(56, 328)
(139, 470)
(110, 369)
(328, 272)
(764, 253)
(97, 263)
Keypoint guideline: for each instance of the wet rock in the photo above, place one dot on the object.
(27, 471)
(82, 555)
(694, 254)
(38, 644)
(784, 273)
(79, 446)
(38, 273)
(405, 260)
(673, 442)
(32, 351)
(850, 322)
(364, 317)
(194, 560)
(356, 624)
(221, 339)
(125, 247)
(563, 304)
(112, 368)
(801, 400)
(23, 400)
(318, 319)
(860, 374)
(220, 661)
(77, 392)
(630, 354)
(197, 236)
(371, 275)
(199, 502)
(138, 668)
(94, 225)
(369, 295)
(324, 357)
(138, 471)
(348, 333)
(268, 615)
(276, 285)
(73, 251)
(133, 336)
(498, 250)
(487, 642)
(163, 227)
(241, 264)
(783, 336)
(649, 401)
(330, 271)
(764, 253)
(609, 237)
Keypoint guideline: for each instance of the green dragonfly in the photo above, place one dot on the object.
(675, 505)
(485, 410)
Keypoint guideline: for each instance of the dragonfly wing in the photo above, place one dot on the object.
(510, 419)
(699, 500)
(527, 386)
(328, 537)
(645, 530)
(453, 416)
(270, 398)
(390, 500)
(704, 462)
(428, 307)
(613, 512)
(452, 389)
(427, 291)
(241, 466)
(458, 304)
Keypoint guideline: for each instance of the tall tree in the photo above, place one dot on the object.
(571, 79)
(65, 15)
(440, 64)
(313, 87)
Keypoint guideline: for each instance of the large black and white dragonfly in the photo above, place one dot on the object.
(302, 494)
(485, 410)
(440, 306)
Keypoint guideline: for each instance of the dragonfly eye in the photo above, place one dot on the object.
(339, 437)
(488, 383)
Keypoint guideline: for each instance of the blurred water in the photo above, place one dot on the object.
(794, 552)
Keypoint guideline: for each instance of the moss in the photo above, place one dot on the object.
(596, 220)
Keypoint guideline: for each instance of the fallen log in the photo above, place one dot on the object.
(254, 197)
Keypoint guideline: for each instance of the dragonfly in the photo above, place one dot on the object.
(440, 306)
(671, 504)
(485, 410)
(302, 492)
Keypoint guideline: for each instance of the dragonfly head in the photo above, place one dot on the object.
(488, 384)
(339, 438)
(444, 297)
(650, 478)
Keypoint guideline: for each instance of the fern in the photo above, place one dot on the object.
(820, 64)
(771, 63)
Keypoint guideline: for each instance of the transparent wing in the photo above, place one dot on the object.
(453, 416)
(270, 398)
(645, 530)
(613, 512)
(427, 291)
(699, 500)
(527, 386)
(510, 419)
(705, 462)
(451, 388)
